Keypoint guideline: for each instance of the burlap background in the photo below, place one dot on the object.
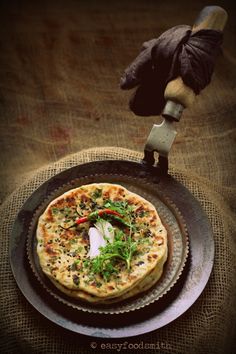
(60, 64)
(207, 327)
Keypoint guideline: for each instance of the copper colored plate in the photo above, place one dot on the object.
(168, 308)
(177, 246)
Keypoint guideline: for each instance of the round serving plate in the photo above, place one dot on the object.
(177, 245)
(154, 314)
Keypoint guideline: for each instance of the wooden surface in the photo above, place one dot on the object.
(177, 91)
(60, 66)
(211, 17)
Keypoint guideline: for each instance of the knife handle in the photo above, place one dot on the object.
(211, 17)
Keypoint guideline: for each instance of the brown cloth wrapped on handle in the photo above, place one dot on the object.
(177, 52)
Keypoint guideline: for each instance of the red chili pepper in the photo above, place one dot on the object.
(81, 220)
(109, 211)
(97, 213)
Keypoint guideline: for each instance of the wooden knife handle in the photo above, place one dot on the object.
(211, 17)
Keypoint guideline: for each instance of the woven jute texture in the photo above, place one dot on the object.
(60, 67)
(207, 327)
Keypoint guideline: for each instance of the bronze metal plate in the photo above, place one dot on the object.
(177, 245)
(156, 315)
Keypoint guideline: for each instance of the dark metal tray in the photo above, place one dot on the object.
(156, 315)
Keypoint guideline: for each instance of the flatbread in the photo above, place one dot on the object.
(144, 285)
(63, 250)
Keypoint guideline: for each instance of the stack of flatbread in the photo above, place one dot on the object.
(101, 243)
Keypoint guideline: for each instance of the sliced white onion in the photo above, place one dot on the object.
(96, 241)
(98, 237)
(106, 229)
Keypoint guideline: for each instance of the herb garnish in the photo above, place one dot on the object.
(122, 207)
(97, 193)
(121, 249)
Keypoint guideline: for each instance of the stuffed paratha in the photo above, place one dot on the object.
(136, 250)
(145, 284)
